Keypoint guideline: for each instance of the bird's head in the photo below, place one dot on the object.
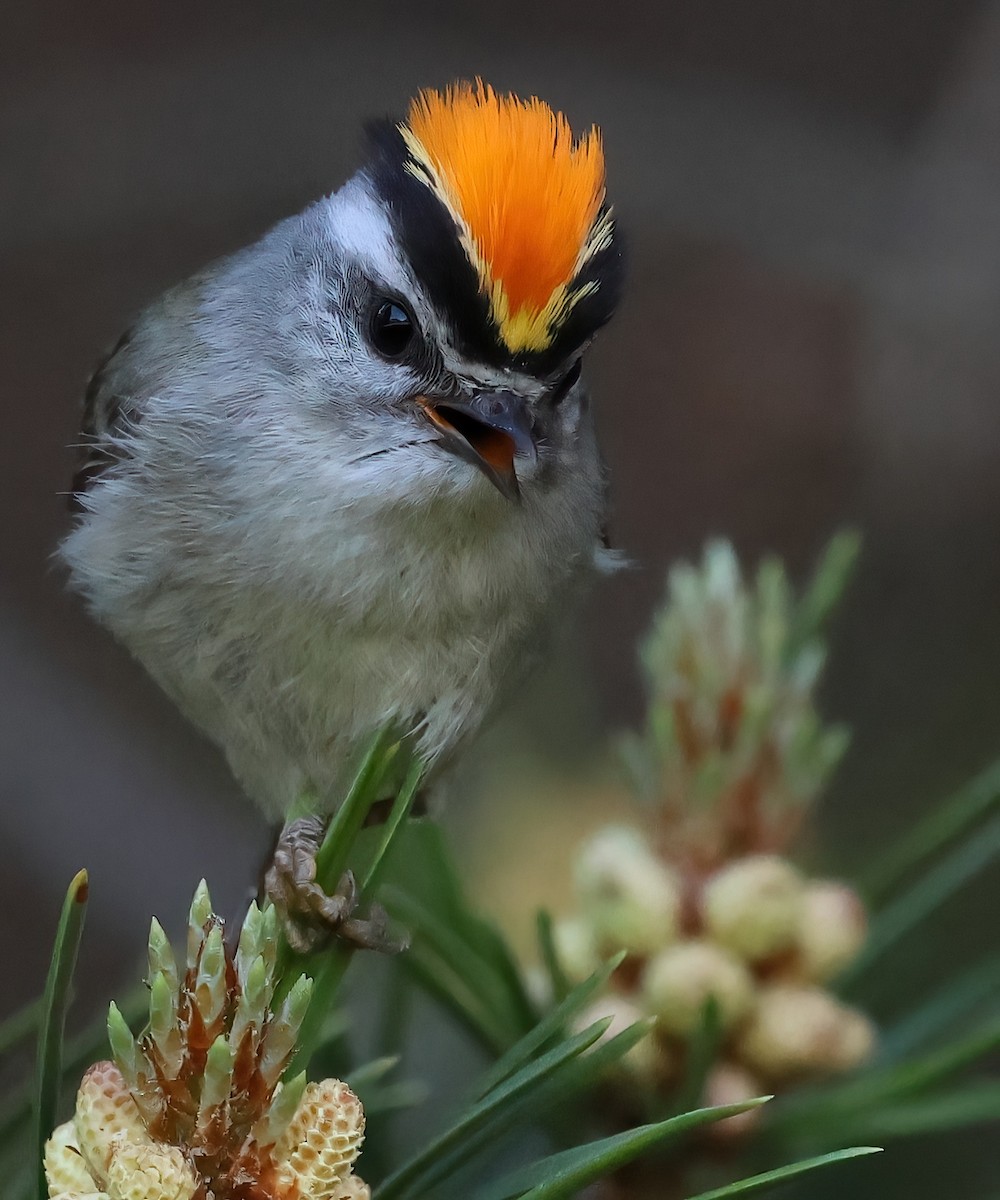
(459, 277)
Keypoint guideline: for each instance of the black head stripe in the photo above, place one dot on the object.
(430, 239)
(607, 270)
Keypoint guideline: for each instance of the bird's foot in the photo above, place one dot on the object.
(312, 918)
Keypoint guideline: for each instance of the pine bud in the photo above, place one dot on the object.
(575, 949)
(680, 981)
(832, 929)
(105, 1114)
(65, 1168)
(149, 1172)
(283, 1029)
(801, 1031)
(219, 1118)
(648, 1060)
(631, 899)
(729, 1083)
(161, 956)
(317, 1150)
(210, 985)
(284, 1105)
(354, 1188)
(123, 1047)
(856, 1045)
(200, 914)
(217, 1080)
(754, 906)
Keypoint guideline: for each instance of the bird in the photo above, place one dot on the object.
(347, 477)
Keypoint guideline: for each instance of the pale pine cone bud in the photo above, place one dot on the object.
(832, 928)
(188, 1094)
(754, 906)
(65, 1167)
(105, 1115)
(323, 1138)
(679, 982)
(648, 1060)
(856, 1045)
(78, 1196)
(729, 1083)
(149, 1172)
(631, 899)
(354, 1188)
(575, 949)
(801, 1031)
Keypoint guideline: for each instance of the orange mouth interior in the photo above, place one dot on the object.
(493, 446)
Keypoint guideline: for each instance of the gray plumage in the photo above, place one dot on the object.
(273, 528)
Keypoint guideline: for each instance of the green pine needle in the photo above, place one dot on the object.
(589, 1070)
(929, 892)
(332, 858)
(919, 1074)
(453, 992)
(942, 1011)
(551, 1026)
(469, 959)
(384, 758)
(825, 590)
(450, 930)
(558, 980)
(401, 809)
(481, 1122)
(702, 1050)
(940, 828)
(55, 1003)
(838, 1111)
(568, 1172)
(379, 1095)
(977, 1103)
(758, 1183)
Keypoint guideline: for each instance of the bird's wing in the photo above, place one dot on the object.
(137, 365)
(106, 411)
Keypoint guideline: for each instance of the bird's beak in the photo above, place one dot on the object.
(490, 431)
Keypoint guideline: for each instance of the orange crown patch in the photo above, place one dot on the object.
(526, 198)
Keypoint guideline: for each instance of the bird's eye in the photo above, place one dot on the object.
(392, 329)
(565, 385)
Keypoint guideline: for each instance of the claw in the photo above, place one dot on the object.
(312, 918)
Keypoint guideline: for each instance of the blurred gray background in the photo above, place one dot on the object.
(811, 190)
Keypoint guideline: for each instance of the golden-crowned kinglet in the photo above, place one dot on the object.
(342, 477)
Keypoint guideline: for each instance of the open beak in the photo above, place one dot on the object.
(490, 431)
